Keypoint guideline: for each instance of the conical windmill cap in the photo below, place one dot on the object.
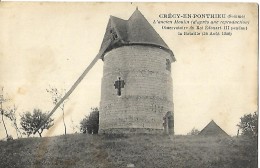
(134, 31)
(212, 129)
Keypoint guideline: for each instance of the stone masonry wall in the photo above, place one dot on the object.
(147, 94)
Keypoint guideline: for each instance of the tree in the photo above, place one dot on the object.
(30, 122)
(56, 97)
(11, 114)
(249, 125)
(194, 131)
(2, 111)
(90, 123)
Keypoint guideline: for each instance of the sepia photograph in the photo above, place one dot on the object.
(129, 84)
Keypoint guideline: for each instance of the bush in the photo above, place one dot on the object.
(249, 125)
(194, 131)
(9, 138)
(90, 123)
(30, 122)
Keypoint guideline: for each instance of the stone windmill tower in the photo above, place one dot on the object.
(136, 94)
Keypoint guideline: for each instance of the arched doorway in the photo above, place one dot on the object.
(168, 123)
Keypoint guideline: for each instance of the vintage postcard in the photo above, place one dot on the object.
(128, 84)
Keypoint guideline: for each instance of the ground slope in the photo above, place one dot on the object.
(118, 150)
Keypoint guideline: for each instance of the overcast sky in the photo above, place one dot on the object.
(42, 44)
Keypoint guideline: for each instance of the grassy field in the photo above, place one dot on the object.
(118, 150)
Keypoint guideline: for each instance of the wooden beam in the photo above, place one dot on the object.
(98, 56)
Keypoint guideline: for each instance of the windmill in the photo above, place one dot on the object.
(136, 91)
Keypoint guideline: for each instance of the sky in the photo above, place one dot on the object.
(51, 44)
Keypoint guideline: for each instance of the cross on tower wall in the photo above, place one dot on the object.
(119, 84)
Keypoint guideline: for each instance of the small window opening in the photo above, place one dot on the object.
(113, 34)
(168, 65)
